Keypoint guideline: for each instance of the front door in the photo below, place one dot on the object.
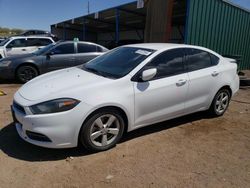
(16, 47)
(62, 56)
(164, 96)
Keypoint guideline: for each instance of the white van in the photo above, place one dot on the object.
(22, 45)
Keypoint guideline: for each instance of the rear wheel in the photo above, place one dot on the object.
(26, 73)
(220, 103)
(102, 131)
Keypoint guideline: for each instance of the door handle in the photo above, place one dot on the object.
(23, 49)
(181, 82)
(215, 73)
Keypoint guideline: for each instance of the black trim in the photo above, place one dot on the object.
(137, 76)
(19, 107)
(37, 136)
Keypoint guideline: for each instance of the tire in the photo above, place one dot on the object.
(106, 128)
(220, 103)
(26, 73)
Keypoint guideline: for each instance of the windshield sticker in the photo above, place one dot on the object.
(143, 52)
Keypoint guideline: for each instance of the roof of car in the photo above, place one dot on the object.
(82, 42)
(166, 46)
(21, 37)
(161, 46)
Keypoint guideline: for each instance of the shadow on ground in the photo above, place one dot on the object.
(12, 145)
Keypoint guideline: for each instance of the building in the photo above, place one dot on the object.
(216, 24)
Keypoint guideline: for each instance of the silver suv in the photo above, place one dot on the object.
(23, 45)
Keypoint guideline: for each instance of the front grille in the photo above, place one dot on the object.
(37, 136)
(18, 107)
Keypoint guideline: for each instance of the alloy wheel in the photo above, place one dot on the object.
(104, 130)
(222, 102)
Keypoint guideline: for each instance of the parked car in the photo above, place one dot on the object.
(125, 89)
(22, 45)
(39, 33)
(2, 39)
(52, 57)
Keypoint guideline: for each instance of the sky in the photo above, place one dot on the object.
(40, 14)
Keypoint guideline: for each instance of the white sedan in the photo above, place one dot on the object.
(127, 88)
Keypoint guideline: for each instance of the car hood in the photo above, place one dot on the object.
(62, 83)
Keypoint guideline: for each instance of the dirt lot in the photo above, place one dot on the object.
(193, 151)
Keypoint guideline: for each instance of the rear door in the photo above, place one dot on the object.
(86, 52)
(34, 44)
(164, 96)
(62, 56)
(203, 78)
(31, 44)
(16, 47)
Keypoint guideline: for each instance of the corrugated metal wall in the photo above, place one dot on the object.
(220, 26)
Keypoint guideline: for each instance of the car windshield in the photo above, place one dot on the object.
(4, 42)
(44, 49)
(117, 63)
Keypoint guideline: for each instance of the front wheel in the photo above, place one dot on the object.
(102, 131)
(26, 73)
(220, 103)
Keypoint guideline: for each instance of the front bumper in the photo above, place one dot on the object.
(62, 129)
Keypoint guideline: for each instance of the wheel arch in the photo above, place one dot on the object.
(27, 64)
(223, 87)
(228, 88)
(113, 107)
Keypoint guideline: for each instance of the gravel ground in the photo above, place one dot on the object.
(192, 151)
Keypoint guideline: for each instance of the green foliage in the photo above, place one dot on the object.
(6, 32)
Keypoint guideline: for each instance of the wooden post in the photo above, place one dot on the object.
(159, 20)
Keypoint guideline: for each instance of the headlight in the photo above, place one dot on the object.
(5, 63)
(54, 106)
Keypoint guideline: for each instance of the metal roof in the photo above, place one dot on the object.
(129, 18)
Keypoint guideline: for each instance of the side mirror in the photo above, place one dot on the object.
(148, 74)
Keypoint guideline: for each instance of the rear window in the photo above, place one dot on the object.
(86, 48)
(214, 59)
(38, 42)
(198, 59)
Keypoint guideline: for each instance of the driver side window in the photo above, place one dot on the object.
(64, 49)
(168, 63)
(17, 43)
